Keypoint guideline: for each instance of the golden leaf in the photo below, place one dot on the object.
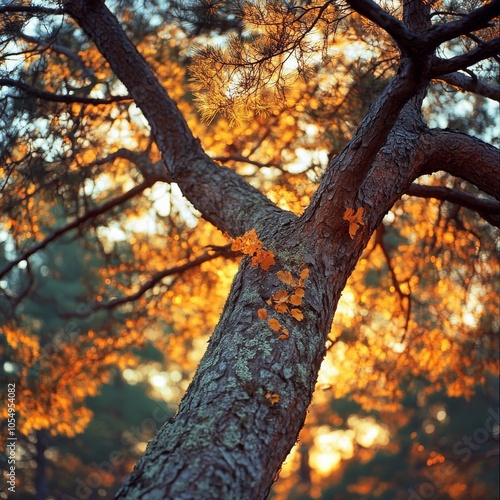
(355, 219)
(249, 244)
(280, 296)
(281, 307)
(285, 334)
(286, 277)
(262, 313)
(274, 324)
(297, 314)
(265, 258)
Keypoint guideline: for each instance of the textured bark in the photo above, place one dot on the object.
(464, 82)
(229, 437)
(462, 156)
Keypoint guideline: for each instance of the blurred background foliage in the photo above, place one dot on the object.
(110, 283)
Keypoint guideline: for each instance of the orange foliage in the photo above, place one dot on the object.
(58, 378)
(249, 244)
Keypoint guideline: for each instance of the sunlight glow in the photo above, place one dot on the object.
(158, 380)
(347, 303)
(9, 367)
(429, 427)
(328, 372)
(441, 415)
(398, 347)
(330, 447)
(307, 158)
(130, 376)
(368, 432)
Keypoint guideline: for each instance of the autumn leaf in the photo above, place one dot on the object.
(285, 334)
(297, 314)
(304, 274)
(264, 258)
(355, 219)
(262, 313)
(295, 300)
(281, 307)
(286, 277)
(273, 397)
(249, 244)
(280, 296)
(274, 324)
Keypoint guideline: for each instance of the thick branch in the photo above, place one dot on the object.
(462, 156)
(464, 82)
(443, 66)
(486, 208)
(426, 42)
(91, 214)
(152, 172)
(347, 172)
(475, 20)
(31, 9)
(50, 96)
(398, 31)
(222, 196)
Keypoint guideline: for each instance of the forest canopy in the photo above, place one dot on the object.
(118, 251)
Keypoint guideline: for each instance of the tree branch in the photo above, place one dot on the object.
(474, 85)
(31, 9)
(91, 214)
(398, 31)
(486, 208)
(49, 96)
(214, 253)
(443, 66)
(462, 156)
(347, 172)
(403, 297)
(475, 20)
(61, 49)
(15, 301)
(415, 44)
(222, 196)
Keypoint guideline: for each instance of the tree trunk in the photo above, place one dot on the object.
(248, 400)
